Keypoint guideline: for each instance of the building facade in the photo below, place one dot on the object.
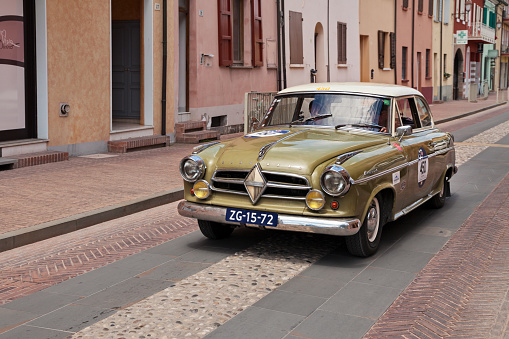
(443, 50)
(377, 34)
(319, 42)
(228, 47)
(86, 72)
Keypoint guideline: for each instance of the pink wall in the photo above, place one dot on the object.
(422, 40)
(218, 90)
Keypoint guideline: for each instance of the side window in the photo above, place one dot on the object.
(423, 111)
(406, 107)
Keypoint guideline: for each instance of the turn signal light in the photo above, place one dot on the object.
(201, 189)
(315, 200)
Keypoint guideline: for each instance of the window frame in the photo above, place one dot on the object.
(342, 43)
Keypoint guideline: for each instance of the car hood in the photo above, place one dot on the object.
(296, 150)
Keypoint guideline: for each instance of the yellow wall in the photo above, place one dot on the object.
(78, 44)
(374, 16)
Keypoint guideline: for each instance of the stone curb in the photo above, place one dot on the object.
(469, 113)
(29, 235)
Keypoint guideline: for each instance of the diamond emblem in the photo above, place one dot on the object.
(255, 183)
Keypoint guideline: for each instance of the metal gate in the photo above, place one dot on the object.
(255, 106)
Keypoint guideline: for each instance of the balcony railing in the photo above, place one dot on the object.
(479, 31)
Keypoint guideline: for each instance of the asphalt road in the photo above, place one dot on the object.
(151, 274)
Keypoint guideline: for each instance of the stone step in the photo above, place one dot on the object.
(125, 145)
(197, 137)
(190, 126)
(38, 158)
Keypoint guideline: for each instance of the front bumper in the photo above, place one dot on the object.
(286, 222)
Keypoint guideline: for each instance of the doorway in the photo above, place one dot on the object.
(319, 43)
(458, 68)
(364, 56)
(183, 85)
(126, 71)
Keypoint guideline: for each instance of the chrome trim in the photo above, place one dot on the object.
(289, 186)
(199, 162)
(340, 160)
(286, 222)
(220, 190)
(341, 171)
(410, 163)
(266, 148)
(200, 148)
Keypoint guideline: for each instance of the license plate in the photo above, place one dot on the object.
(251, 217)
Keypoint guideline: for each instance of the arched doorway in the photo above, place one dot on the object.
(321, 74)
(458, 72)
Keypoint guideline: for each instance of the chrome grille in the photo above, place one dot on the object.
(279, 185)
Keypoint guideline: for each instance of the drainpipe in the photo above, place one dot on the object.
(413, 40)
(284, 41)
(278, 6)
(441, 52)
(165, 61)
(328, 42)
(395, 39)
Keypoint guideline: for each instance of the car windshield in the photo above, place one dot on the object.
(334, 110)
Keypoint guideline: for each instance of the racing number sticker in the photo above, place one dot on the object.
(422, 167)
(269, 133)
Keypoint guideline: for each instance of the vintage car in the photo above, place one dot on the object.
(333, 158)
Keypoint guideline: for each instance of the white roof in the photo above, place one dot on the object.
(353, 87)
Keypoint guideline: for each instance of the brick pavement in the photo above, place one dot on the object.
(463, 291)
(32, 268)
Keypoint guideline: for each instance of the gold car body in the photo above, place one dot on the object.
(292, 160)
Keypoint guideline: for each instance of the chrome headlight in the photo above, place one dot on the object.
(335, 180)
(192, 168)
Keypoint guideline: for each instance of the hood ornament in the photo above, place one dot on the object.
(255, 183)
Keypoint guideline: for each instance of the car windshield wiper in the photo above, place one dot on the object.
(316, 117)
(360, 125)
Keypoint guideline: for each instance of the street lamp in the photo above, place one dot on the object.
(468, 7)
(499, 25)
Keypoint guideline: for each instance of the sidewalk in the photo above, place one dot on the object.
(43, 201)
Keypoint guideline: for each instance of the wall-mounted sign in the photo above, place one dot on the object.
(462, 37)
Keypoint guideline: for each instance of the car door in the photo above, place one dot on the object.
(417, 147)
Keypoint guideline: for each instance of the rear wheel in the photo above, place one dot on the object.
(214, 230)
(365, 242)
(438, 200)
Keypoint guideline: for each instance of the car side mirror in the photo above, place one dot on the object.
(402, 131)
(254, 123)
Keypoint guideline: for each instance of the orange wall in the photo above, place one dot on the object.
(78, 42)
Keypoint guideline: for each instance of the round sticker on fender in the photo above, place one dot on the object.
(422, 167)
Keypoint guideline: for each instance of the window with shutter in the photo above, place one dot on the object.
(238, 32)
(296, 47)
(392, 38)
(341, 43)
(420, 6)
(430, 7)
(405, 3)
(225, 33)
(381, 49)
(256, 32)
(428, 55)
(403, 63)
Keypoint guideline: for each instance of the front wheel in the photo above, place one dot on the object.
(214, 230)
(365, 242)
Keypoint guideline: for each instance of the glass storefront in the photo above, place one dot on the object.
(17, 77)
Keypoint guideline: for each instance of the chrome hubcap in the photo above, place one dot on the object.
(373, 221)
